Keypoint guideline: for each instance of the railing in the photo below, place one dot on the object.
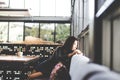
(42, 50)
(27, 49)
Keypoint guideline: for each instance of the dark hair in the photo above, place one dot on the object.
(69, 42)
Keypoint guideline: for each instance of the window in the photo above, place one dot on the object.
(34, 9)
(47, 31)
(16, 4)
(3, 31)
(55, 7)
(15, 31)
(32, 29)
(62, 31)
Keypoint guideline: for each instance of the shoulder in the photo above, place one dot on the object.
(59, 49)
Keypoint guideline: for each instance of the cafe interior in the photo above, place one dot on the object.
(31, 30)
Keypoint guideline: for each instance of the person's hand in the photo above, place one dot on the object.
(77, 51)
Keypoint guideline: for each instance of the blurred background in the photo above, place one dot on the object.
(45, 24)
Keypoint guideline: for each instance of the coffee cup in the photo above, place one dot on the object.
(20, 54)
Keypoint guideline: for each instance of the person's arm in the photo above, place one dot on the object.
(74, 52)
(69, 55)
(34, 75)
(60, 55)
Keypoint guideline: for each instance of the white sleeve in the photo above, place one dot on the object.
(76, 61)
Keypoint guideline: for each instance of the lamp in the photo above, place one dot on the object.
(14, 12)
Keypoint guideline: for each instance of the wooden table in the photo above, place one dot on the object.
(11, 66)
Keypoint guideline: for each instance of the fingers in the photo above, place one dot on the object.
(78, 51)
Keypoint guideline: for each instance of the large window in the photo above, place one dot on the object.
(34, 9)
(3, 31)
(55, 7)
(46, 31)
(42, 7)
(62, 31)
(16, 4)
(63, 8)
(32, 29)
(6, 5)
(47, 7)
(16, 31)
(54, 32)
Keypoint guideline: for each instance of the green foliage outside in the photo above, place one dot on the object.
(46, 34)
(31, 31)
(62, 32)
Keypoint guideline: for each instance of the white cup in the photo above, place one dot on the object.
(20, 54)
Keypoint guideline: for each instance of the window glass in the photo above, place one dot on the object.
(63, 8)
(42, 7)
(4, 3)
(62, 32)
(32, 29)
(47, 7)
(15, 31)
(16, 4)
(3, 31)
(46, 31)
(55, 7)
(33, 9)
